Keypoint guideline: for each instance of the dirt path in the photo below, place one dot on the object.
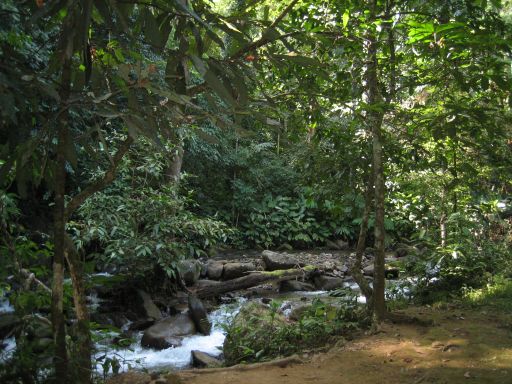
(461, 347)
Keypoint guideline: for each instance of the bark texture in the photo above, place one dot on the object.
(251, 280)
(375, 117)
(356, 267)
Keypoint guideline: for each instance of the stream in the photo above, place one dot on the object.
(9, 344)
(136, 356)
(179, 357)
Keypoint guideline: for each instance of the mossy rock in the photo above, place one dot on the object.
(248, 334)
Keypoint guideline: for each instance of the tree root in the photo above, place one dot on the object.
(281, 363)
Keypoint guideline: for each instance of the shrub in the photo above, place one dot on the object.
(259, 332)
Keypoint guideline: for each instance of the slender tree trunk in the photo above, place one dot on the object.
(59, 333)
(442, 225)
(83, 342)
(375, 116)
(355, 268)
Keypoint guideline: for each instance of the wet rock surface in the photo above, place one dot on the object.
(204, 360)
(199, 315)
(168, 332)
(235, 270)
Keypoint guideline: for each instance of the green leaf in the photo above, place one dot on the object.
(346, 17)
(213, 81)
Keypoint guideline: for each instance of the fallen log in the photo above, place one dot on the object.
(251, 280)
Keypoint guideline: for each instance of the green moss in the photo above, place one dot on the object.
(284, 272)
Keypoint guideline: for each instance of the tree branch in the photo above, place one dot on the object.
(107, 178)
(263, 39)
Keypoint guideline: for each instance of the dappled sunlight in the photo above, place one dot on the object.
(451, 351)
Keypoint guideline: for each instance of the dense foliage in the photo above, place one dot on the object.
(134, 135)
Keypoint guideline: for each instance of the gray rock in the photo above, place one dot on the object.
(368, 270)
(189, 270)
(328, 283)
(390, 272)
(274, 261)
(204, 360)
(234, 270)
(139, 325)
(342, 244)
(168, 332)
(215, 269)
(295, 285)
(149, 307)
(337, 244)
(198, 314)
(204, 271)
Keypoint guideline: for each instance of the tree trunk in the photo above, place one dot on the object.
(251, 280)
(59, 332)
(355, 268)
(58, 265)
(442, 224)
(375, 116)
(83, 342)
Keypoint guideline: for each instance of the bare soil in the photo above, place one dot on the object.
(462, 346)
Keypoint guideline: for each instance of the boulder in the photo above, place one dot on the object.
(390, 272)
(274, 261)
(189, 270)
(368, 270)
(142, 324)
(168, 332)
(328, 283)
(204, 360)
(215, 269)
(336, 245)
(204, 271)
(235, 270)
(295, 285)
(198, 314)
(130, 377)
(149, 307)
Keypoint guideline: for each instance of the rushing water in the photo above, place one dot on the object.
(175, 357)
(9, 344)
(178, 357)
